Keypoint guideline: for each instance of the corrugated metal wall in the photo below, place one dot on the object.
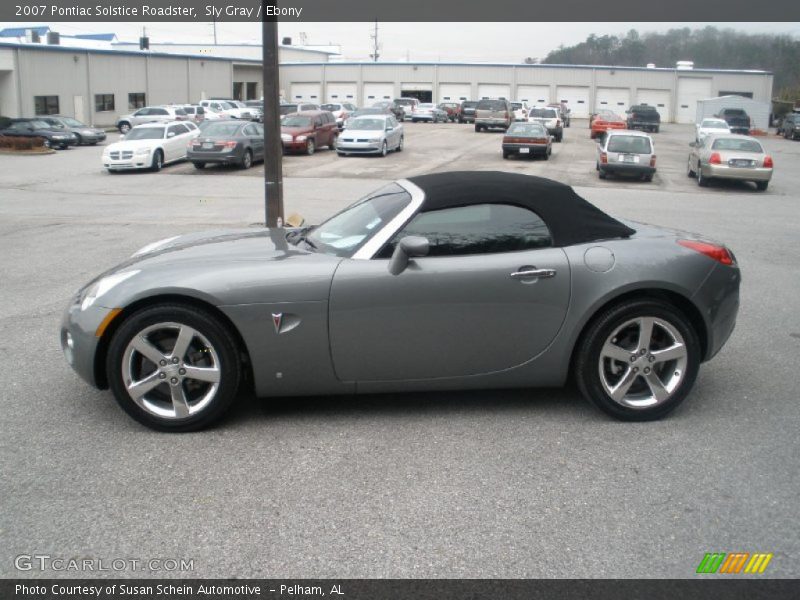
(758, 111)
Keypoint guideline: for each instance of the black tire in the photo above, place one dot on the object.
(689, 170)
(199, 165)
(762, 186)
(340, 153)
(505, 154)
(702, 180)
(400, 144)
(547, 155)
(601, 174)
(219, 338)
(79, 140)
(158, 161)
(477, 128)
(384, 149)
(247, 160)
(648, 177)
(657, 129)
(310, 146)
(560, 137)
(124, 127)
(588, 359)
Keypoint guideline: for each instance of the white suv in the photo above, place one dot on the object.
(151, 114)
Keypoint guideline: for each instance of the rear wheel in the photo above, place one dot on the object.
(124, 127)
(638, 360)
(247, 160)
(477, 128)
(689, 170)
(601, 174)
(762, 185)
(648, 177)
(173, 367)
(702, 180)
(400, 144)
(505, 154)
(199, 165)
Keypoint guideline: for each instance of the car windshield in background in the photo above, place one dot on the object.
(344, 233)
(714, 124)
(70, 122)
(331, 107)
(221, 128)
(491, 105)
(736, 145)
(145, 133)
(469, 104)
(366, 124)
(288, 108)
(631, 144)
(527, 130)
(543, 113)
(296, 121)
(516, 105)
(180, 111)
(405, 101)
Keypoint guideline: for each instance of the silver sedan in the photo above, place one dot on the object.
(738, 157)
(371, 134)
(448, 281)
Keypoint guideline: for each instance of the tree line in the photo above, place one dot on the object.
(710, 48)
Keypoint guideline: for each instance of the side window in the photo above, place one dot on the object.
(259, 130)
(177, 130)
(159, 111)
(476, 229)
(249, 130)
(142, 113)
(317, 121)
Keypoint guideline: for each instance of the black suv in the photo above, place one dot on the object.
(467, 111)
(790, 128)
(644, 117)
(54, 137)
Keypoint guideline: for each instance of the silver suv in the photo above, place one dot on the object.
(493, 113)
(151, 114)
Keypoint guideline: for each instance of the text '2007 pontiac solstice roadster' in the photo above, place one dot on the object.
(438, 282)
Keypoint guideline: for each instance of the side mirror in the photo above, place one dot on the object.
(409, 247)
(389, 128)
(171, 134)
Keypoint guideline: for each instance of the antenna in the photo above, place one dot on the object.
(375, 45)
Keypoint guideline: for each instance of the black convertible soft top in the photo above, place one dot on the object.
(570, 218)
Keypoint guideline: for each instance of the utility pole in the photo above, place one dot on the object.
(375, 46)
(273, 147)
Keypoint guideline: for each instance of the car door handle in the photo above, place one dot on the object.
(534, 273)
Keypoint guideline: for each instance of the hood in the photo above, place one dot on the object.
(294, 131)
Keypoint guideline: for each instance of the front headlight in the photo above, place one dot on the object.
(103, 286)
(153, 246)
(300, 138)
(286, 137)
(142, 151)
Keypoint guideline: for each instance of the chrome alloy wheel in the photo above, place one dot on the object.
(643, 362)
(170, 370)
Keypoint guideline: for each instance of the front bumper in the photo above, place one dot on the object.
(373, 147)
(128, 164)
(78, 340)
(741, 173)
(93, 138)
(295, 146)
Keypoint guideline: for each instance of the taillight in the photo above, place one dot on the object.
(715, 159)
(719, 253)
(229, 144)
(604, 158)
(768, 162)
(653, 160)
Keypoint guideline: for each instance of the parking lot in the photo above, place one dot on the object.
(520, 483)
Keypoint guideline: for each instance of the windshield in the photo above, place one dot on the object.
(714, 124)
(405, 101)
(70, 122)
(331, 107)
(527, 130)
(145, 133)
(288, 108)
(516, 105)
(632, 144)
(366, 124)
(296, 121)
(737, 144)
(344, 233)
(220, 128)
(543, 113)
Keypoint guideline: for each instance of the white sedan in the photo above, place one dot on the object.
(711, 127)
(150, 146)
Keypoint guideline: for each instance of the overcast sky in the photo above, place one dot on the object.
(501, 42)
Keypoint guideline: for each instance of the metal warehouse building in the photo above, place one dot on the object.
(98, 85)
(674, 91)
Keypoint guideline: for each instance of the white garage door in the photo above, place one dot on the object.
(342, 92)
(533, 94)
(613, 99)
(577, 99)
(494, 90)
(373, 92)
(454, 92)
(690, 90)
(658, 99)
(306, 92)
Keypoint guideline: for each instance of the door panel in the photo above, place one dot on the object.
(448, 316)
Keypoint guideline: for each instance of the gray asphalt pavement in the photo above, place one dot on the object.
(522, 483)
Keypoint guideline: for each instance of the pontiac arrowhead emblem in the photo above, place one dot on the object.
(277, 319)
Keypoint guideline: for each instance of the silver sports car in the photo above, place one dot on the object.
(446, 281)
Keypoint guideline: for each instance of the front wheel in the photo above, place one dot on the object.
(310, 147)
(384, 148)
(173, 367)
(158, 161)
(638, 360)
